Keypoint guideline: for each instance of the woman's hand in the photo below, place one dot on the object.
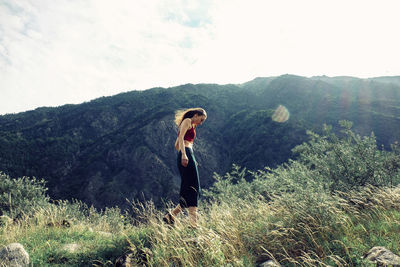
(184, 161)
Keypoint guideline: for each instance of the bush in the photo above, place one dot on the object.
(231, 186)
(326, 163)
(349, 162)
(290, 178)
(21, 196)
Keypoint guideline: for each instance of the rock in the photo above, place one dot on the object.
(5, 220)
(382, 256)
(14, 255)
(71, 248)
(269, 263)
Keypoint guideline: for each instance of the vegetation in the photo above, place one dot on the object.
(351, 161)
(19, 197)
(328, 207)
(118, 147)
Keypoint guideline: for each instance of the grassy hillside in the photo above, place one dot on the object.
(242, 233)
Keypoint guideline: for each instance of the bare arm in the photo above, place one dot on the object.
(180, 143)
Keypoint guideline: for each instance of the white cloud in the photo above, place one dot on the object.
(57, 52)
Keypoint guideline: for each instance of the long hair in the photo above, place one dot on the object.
(182, 114)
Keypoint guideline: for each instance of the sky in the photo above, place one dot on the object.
(56, 52)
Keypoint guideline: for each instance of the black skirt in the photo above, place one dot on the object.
(190, 183)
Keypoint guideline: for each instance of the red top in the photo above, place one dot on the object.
(190, 135)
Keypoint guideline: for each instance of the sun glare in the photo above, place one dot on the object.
(281, 114)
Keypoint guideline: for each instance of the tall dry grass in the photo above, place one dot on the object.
(314, 229)
(307, 231)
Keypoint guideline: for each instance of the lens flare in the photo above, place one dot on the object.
(281, 114)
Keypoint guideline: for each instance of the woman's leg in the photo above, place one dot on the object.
(170, 216)
(177, 210)
(193, 216)
(190, 187)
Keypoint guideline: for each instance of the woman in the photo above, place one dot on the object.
(187, 121)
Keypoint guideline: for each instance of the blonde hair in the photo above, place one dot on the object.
(182, 114)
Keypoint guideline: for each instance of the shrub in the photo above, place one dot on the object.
(290, 178)
(231, 186)
(349, 162)
(20, 196)
(326, 163)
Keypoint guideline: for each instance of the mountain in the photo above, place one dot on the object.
(122, 147)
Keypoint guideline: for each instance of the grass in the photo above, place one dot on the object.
(292, 230)
(47, 246)
(100, 239)
(378, 230)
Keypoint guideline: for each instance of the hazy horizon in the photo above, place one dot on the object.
(55, 106)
